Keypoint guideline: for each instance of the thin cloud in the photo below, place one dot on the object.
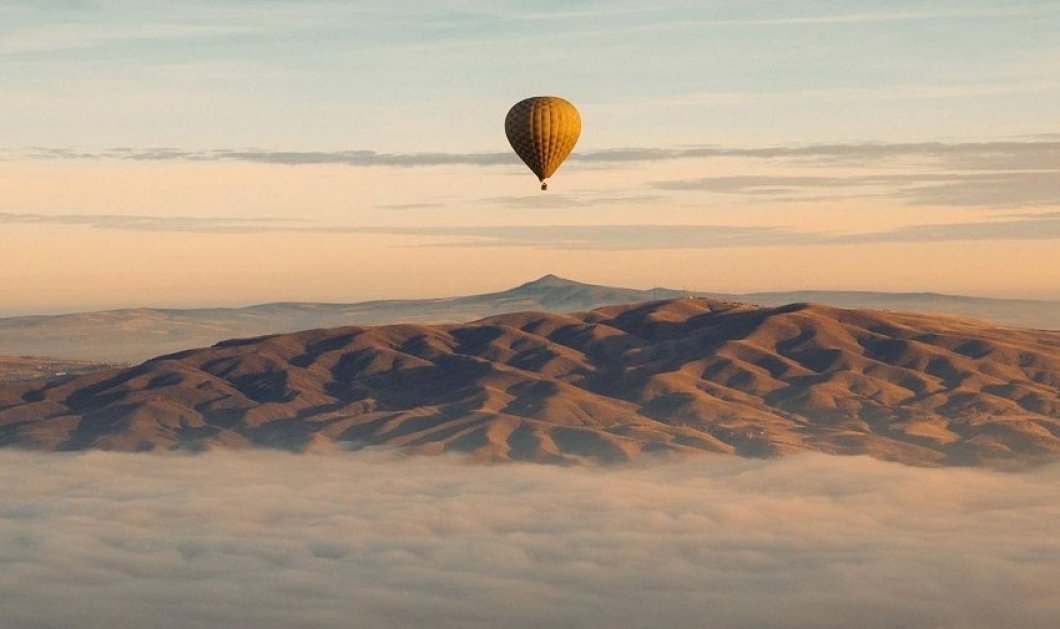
(642, 237)
(598, 237)
(72, 36)
(569, 201)
(283, 158)
(966, 189)
(900, 92)
(551, 236)
(361, 158)
(768, 185)
(997, 155)
(217, 225)
(409, 206)
(895, 16)
(1041, 227)
(986, 190)
(270, 540)
(824, 20)
(609, 237)
(1036, 215)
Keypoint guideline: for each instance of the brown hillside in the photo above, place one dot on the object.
(681, 375)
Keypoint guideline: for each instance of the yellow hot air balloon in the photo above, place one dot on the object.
(543, 131)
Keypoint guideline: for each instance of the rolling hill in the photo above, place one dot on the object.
(681, 375)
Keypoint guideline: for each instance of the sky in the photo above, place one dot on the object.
(243, 151)
(269, 539)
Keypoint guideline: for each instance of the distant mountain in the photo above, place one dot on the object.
(137, 334)
(683, 375)
(1027, 313)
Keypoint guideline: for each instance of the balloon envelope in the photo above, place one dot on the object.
(543, 130)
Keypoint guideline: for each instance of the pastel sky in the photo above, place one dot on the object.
(241, 151)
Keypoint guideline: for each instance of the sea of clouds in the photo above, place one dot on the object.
(266, 539)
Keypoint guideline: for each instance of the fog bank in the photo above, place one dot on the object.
(266, 539)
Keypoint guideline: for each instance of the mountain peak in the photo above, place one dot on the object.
(550, 281)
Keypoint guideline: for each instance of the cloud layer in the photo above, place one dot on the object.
(968, 189)
(337, 540)
(1002, 173)
(1041, 153)
(1033, 226)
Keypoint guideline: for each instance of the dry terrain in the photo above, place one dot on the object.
(672, 376)
(30, 368)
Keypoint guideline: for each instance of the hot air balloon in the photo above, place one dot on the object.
(543, 130)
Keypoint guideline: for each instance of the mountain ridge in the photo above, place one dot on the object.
(679, 376)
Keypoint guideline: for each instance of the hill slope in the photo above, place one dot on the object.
(681, 375)
(138, 334)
